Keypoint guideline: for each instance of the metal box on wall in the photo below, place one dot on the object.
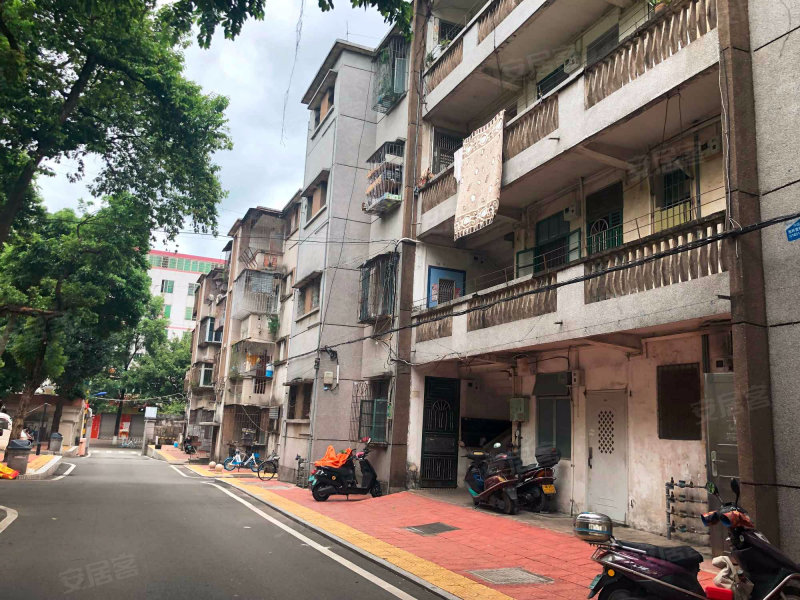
(519, 408)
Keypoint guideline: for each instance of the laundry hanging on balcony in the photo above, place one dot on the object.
(481, 175)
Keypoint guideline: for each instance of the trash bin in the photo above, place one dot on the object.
(17, 454)
(56, 440)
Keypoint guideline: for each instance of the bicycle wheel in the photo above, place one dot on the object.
(228, 464)
(267, 471)
(255, 465)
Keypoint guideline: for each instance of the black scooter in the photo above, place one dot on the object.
(329, 481)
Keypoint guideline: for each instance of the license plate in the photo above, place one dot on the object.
(595, 581)
(549, 489)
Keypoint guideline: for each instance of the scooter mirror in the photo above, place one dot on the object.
(736, 489)
(496, 445)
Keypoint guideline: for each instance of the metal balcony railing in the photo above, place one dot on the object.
(255, 292)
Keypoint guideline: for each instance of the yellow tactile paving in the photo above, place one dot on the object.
(37, 462)
(455, 584)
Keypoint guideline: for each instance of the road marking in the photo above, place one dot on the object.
(64, 474)
(394, 591)
(10, 517)
(181, 473)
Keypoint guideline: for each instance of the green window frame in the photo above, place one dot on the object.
(189, 313)
(191, 289)
(167, 286)
(167, 310)
(556, 245)
(173, 263)
(373, 419)
(554, 423)
(609, 238)
(525, 262)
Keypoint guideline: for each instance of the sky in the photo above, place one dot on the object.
(253, 72)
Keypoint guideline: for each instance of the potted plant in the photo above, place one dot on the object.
(659, 5)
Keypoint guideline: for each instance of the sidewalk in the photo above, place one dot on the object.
(171, 454)
(39, 467)
(464, 552)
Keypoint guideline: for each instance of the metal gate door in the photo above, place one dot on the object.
(440, 433)
(723, 457)
(607, 431)
(137, 427)
(107, 422)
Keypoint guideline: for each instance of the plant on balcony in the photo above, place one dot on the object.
(659, 5)
(273, 324)
(234, 373)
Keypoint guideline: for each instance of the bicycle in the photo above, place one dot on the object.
(236, 462)
(268, 469)
(129, 443)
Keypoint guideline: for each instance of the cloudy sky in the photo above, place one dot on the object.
(253, 72)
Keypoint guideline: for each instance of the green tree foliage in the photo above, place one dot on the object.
(86, 274)
(91, 77)
(161, 372)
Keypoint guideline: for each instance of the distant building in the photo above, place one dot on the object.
(174, 277)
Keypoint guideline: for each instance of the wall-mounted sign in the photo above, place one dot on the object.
(150, 412)
(793, 231)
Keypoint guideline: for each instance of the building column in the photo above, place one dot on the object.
(744, 259)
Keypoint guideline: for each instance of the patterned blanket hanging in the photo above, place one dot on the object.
(481, 175)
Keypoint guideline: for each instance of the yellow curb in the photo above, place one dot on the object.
(451, 582)
(40, 461)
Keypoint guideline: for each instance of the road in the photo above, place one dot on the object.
(125, 526)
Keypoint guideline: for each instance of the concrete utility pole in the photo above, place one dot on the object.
(744, 256)
(405, 291)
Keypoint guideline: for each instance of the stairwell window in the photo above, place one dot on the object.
(679, 402)
(316, 201)
(308, 297)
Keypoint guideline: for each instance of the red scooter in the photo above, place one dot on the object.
(491, 481)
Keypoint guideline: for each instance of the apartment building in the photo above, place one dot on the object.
(173, 276)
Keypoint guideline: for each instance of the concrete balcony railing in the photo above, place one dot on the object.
(445, 64)
(438, 189)
(534, 124)
(667, 270)
(678, 26)
(436, 323)
(512, 302)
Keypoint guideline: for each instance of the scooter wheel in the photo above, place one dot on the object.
(619, 591)
(319, 495)
(510, 506)
(376, 490)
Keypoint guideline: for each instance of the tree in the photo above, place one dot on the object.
(160, 374)
(87, 274)
(89, 77)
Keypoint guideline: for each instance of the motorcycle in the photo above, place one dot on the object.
(327, 481)
(633, 570)
(536, 486)
(490, 481)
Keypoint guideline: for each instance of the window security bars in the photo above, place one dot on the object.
(444, 149)
(390, 74)
(385, 178)
(370, 412)
(377, 288)
(255, 292)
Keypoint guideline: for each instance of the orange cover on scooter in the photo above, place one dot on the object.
(331, 459)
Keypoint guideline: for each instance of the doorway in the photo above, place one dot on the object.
(723, 454)
(607, 452)
(440, 419)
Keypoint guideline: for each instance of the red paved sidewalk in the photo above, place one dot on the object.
(482, 540)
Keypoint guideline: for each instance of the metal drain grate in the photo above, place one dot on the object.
(431, 528)
(510, 575)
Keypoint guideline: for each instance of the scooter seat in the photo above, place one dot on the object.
(683, 556)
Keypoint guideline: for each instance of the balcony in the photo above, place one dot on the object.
(250, 359)
(594, 296)
(384, 178)
(255, 292)
(255, 391)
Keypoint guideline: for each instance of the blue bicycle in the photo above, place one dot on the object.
(237, 461)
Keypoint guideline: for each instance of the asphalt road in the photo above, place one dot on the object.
(125, 526)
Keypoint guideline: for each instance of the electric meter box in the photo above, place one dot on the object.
(520, 408)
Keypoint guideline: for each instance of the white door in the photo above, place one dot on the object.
(607, 453)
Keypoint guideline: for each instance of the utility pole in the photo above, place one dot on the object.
(405, 291)
(41, 427)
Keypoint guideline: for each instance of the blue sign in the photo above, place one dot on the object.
(793, 231)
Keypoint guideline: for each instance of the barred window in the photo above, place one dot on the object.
(377, 288)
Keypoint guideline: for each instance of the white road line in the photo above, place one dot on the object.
(64, 474)
(394, 591)
(182, 474)
(10, 517)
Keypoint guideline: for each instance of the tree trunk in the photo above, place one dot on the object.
(57, 416)
(119, 413)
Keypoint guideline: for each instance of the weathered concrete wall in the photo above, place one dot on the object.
(775, 54)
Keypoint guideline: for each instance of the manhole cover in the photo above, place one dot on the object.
(510, 575)
(431, 528)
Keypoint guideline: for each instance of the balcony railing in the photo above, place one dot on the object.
(439, 324)
(448, 61)
(667, 270)
(438, 190)
(255, 292)
(532, 126)
(492, 16)
(680, 24)
(502, 305)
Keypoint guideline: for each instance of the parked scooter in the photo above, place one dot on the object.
(327, 481)
(491, 481)
(536, 486)
(633, 571)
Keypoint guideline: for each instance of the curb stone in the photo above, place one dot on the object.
(360, 551)
(44, 473)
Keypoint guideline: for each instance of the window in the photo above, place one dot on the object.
(189, 313)
(604, 219)
(525, 262)
(672, 199)
(391, 74)
(167, 286)
(307, 396)
(377, 288)
(444, 285)
(374, 412)
(316, 201)
(192, 289)
(167, 310)
(679, 402)
(207, 333)
(206, 376)
(448, 31)
(554, 423)
(551, 80)
(291, 408)
(555, 244)
(444, 149)
(605, 43)
(308, 297)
